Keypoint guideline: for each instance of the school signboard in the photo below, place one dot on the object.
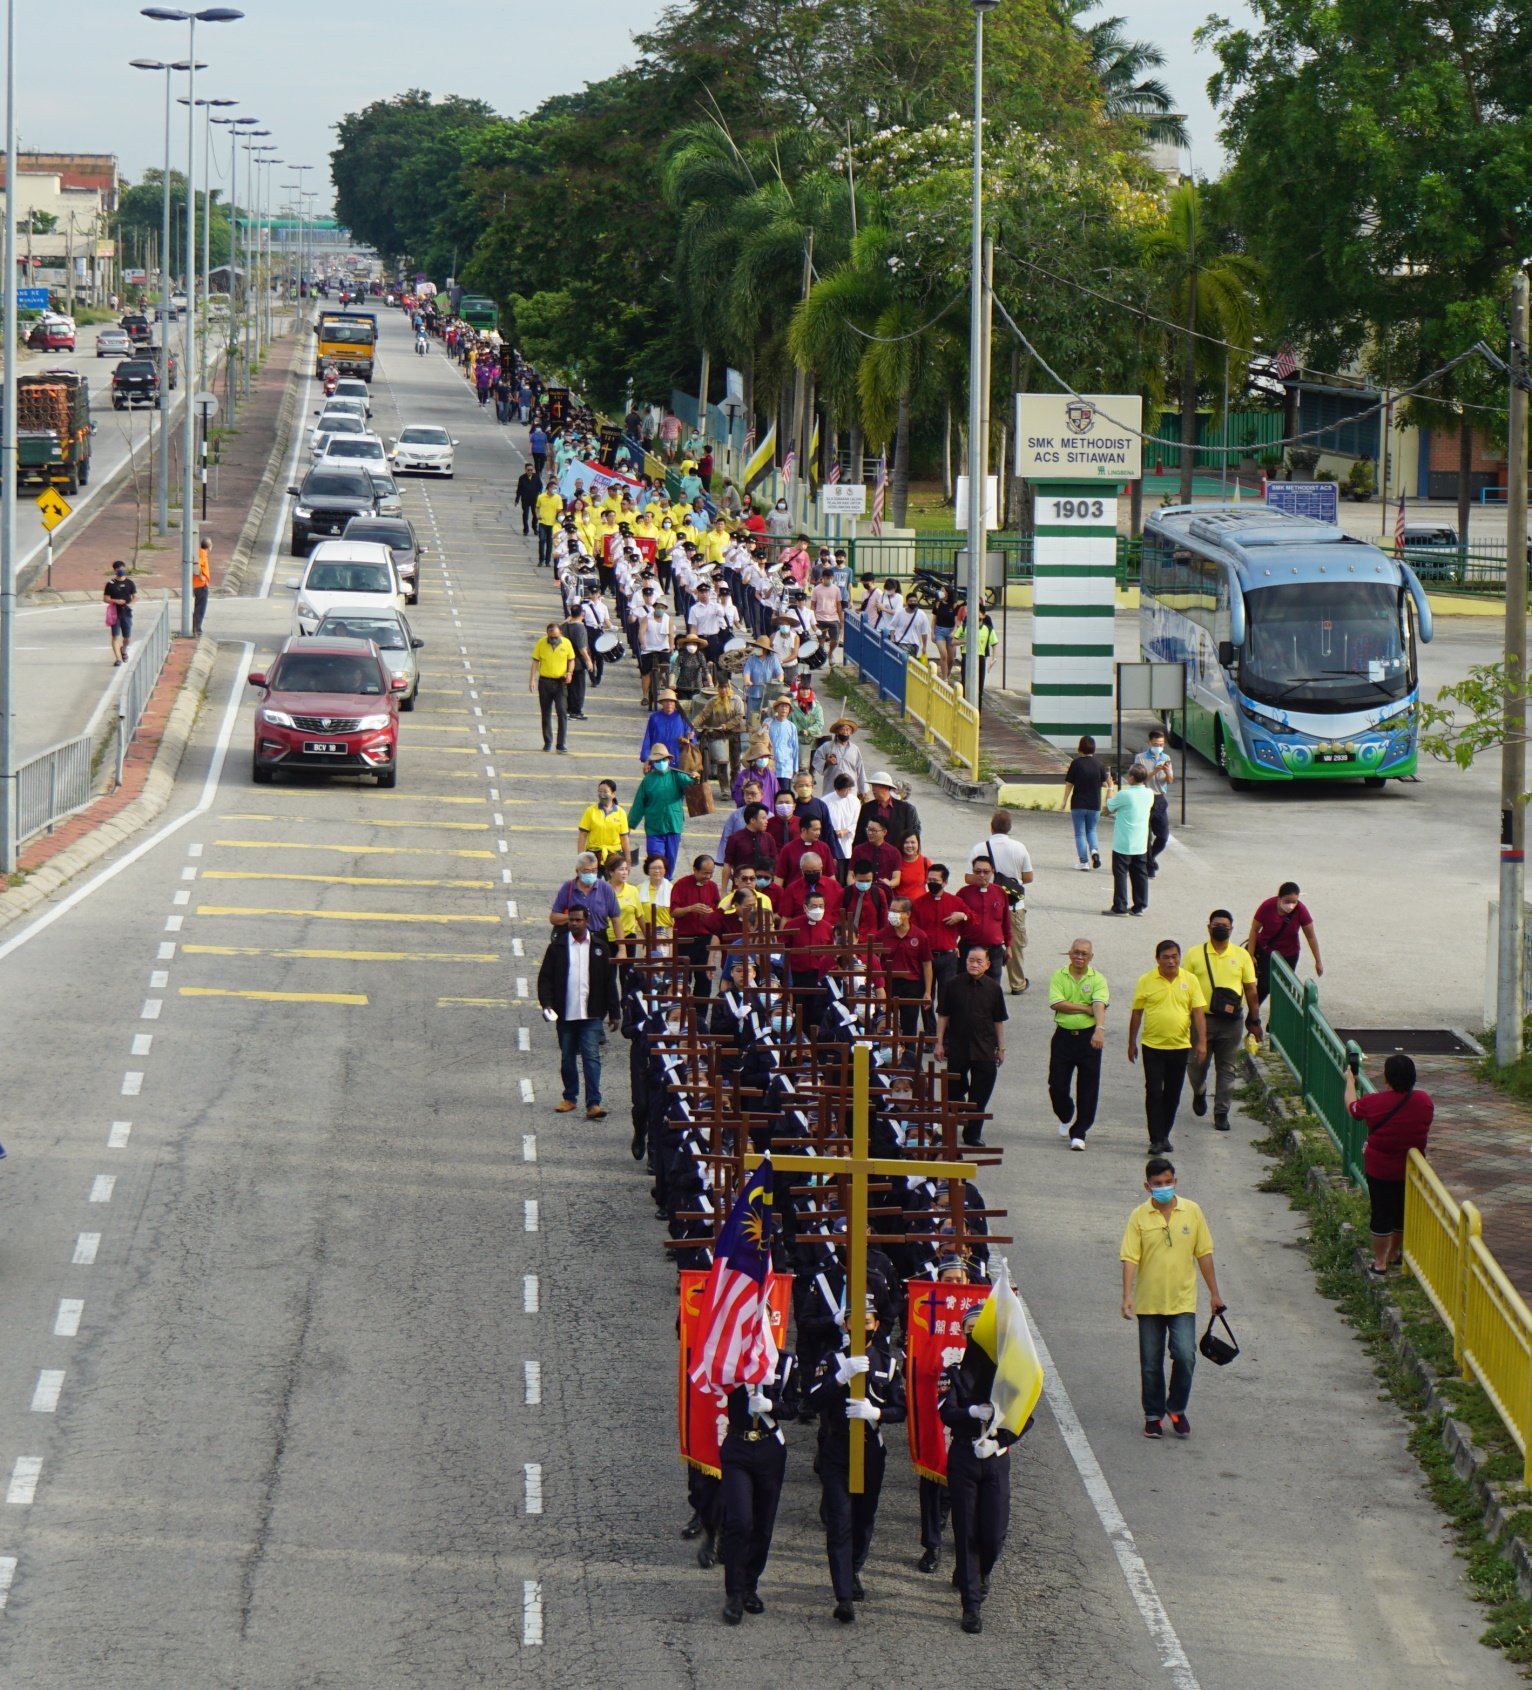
(1079, 437)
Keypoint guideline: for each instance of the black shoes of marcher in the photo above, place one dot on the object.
(1113, 911)
(733, 1611)
(1220, 1123)
(845, 1613)
(707, 1555)
(1095, 859)
(1199, 1103)
(752, 1603)
(858, 1589)
(984, 1587)
(636, 1144)
(693, 1527)
(927, 1562)
(972, 1624)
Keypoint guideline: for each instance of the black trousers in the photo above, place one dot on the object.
(1164, 1075)
(528, 523)
(544, 544)
(199, 608)
(576, 689)
(1126, 870)
(935, 1506)
(981, 1514)
(1159, 831)
(944, 965)
(907, 995)
(849, 1519)
(1073, 1067)
(811, 996)
(752, 1475)
(695, 950)
(553, 699)
(973, 1081)
(705, 1495)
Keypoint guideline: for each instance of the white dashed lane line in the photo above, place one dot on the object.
(66, 1323)
(85, 1247)
(23, 1486)
(50, 1387)
(117, 1135)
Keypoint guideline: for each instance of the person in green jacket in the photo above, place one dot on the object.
(808, 717)
(660, 804)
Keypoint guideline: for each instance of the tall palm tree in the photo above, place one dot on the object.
(1119, 65)
(1216, 295)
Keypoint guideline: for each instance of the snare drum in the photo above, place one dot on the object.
(812, 655)
(608, 647)
(734, 653)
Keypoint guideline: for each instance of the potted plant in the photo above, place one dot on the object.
(1361, 483)
(1302, 461)
(1271, 462)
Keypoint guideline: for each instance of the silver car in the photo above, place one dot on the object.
(388, 630)
(113, 343)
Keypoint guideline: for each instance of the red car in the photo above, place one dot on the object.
(52, 337)
(327, 703)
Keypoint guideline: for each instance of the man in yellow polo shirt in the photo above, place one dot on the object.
(1169, 1008)
(1165, 1245)
(552, 665)
(549, 507)
(1226, 973)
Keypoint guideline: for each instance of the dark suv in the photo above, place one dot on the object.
(136, 326)
(329, 497)
(135, 381)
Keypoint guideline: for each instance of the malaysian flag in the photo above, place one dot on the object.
(1284, 364)
(879, 494)
(1399, 526)
(734, 1342)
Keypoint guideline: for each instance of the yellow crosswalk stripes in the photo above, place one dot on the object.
(340, 879)
(355, 999)
(348, 915)
(308, 953)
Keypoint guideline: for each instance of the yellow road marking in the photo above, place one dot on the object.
(478, 1003)
(313, 955)
(338, 879)
(420, 798)
(356, 998)
(364, 821)
(358, 850)
(346, 915)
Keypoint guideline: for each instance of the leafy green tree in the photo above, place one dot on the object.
(1119, 65)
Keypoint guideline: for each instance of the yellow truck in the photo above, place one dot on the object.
(346, 339)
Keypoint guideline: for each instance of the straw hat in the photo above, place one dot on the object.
(666, 693)
(760, 746)
(841, 722)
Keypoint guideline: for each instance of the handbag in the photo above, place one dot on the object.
(111, 616)
(1015, 892)
(1223, 1001)
(699, 798)
(1217, 1350)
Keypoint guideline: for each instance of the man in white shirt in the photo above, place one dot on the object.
(1012, 859)
(909, 628)
(577, 989)
(707, 620)
(785, 639)
(656, 639)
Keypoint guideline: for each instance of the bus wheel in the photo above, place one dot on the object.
(1376, 782)
(1221, 752)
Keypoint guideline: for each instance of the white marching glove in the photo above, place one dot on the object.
(985, 1447)
(847, 1367)
(863, 1410)
(760, 1403)
(984, 1411)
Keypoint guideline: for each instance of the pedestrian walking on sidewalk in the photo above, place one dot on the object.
(970, 1036)
(577, 989)
(1160, 774)
(1169, 1008)
(1275, 930)
(1165, 1245)
(1078, 997)
(553, 662)
(202, 579)
(1226, 974)
(1398, 1121)
(1130, 809)
(118, 595)
(527, 489)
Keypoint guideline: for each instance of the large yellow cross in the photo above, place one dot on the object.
(859, 1166)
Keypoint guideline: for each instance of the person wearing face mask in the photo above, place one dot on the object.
(809, 938)
(1226, 975)
(784, 743)
(906, 959)
(808, 880)
(843, 808)
(757, 768)
(586, 891)
(941, 915)
(807, 842)
(553, 663)
(839, 755)
(660, 803)
(1165, 1245)
(779, 522)
(1275, 929)
(864, 906)
(1169, 1008)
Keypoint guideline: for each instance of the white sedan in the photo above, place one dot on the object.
(345, 575)
(422, 449)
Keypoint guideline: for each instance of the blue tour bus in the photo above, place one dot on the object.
(1299, 642)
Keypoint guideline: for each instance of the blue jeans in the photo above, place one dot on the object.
(1086, 822)
(666, 845)
(580, 1047)
(1155, 1331)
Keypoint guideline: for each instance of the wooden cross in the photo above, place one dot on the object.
(858, 1168)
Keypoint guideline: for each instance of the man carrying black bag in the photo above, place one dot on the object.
(1165, 1245)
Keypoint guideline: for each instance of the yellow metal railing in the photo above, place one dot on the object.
(1491, 1326)
(943, 713)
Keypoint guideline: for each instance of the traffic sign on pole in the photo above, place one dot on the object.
(53, 508)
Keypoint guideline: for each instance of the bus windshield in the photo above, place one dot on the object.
(1326, 645)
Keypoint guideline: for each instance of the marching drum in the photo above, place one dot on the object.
(812, 655)
(734, 653)
(608, 647)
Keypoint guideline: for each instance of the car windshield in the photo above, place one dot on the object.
(425, 437)
(344, 448)
(1326, 645)
(348, 578)
(337, 487)
(340, 422)
(384, 632)
(392, 534)
(321, 671)
(352, 387)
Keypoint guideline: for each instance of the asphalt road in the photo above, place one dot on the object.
(337, 1359)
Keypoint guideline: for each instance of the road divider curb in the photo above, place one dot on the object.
(159, 785)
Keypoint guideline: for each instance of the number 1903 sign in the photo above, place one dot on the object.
(1079, 437)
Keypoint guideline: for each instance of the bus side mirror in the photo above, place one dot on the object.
(1226, 653)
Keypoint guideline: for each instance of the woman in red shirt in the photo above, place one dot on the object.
(1398, 1121)
(914, 865)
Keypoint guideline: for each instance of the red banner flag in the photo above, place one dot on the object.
(699, 1412)
(933, 1342)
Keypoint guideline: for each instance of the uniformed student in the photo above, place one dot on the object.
(935, 1499)
(753, 1464)
(849, 1519)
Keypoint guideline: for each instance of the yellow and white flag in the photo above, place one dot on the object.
(1004, 1336)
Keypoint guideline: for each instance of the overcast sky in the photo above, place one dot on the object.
(299, 67)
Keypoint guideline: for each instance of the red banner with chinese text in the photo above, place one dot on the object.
(699, 1413)
(933, 1342)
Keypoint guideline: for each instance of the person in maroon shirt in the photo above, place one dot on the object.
(941, 915)
(989, 915)
(811, 877)
(1398, 1121)
(751, 844)
(906, 960)
(810, 941)
(1275, 929)
(693, 899)
(865, 905)
(783, 825)
(882, 858)
(807, 844)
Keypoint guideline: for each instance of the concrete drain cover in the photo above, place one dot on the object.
(1413, 1041)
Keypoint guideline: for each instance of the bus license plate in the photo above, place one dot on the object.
(325, 747)
(1333, 757)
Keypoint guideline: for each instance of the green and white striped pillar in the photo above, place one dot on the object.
(1074, 600)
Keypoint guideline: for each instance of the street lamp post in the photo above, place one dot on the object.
(207, 216)
(978, 372)
(266, 307)
(209, 14)
(258, 265)
(247, 304)
(240, 132)
(9, 464)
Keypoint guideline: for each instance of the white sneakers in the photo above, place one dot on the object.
(1077, 1144)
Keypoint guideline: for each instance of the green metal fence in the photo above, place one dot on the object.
(1316, 1057)
(886, 556)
